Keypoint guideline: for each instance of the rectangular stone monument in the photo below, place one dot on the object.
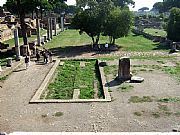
(124, 69)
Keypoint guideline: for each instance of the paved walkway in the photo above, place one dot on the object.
(18, 115)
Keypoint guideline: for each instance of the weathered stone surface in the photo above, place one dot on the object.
(76, 93)
(124, 68)
(137, 79)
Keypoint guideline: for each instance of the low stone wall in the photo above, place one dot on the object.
(6, 35)
(149, 36)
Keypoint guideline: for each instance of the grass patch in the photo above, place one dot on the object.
(137, 113)
(58, 114)
(113, 69)
(136, 99)
(72, 38)
(3, 78)
(169, 99)
(44, 115)
(163, 107)
(156, 114)
(155, 32)
(177, 114)
(126, 87)
(71, 76)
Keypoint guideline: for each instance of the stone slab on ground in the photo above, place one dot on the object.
(137, 79)
(76, 94)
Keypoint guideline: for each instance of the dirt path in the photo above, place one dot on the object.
(18, 115)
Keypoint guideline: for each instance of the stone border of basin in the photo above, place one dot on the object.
(48, 78)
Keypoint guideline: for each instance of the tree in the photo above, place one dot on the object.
(118, 24)
(123, 3)
(173, 28)
(159, 6)
(168, 4)
(143, 9)
(91, 19)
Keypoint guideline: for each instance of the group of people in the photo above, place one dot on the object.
(45, 53)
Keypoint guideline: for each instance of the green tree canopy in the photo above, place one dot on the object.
(118, 24)
(173, 28)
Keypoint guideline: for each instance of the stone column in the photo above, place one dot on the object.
(55, 28)
(51, 28)
(48, 29)
(16, 40)
(124, 68)
(38, 32)
(62, 23)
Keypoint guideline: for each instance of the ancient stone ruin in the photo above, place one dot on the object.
(124, 73)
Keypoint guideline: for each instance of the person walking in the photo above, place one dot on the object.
(45, 56)
(27, 61)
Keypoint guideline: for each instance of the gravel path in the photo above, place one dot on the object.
(18, 115)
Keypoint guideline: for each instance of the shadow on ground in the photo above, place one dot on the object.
(161, 46)
(114, 82)
(73, 51)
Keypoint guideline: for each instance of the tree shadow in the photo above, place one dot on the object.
(114, 82)
(73, 51)
(161, 46)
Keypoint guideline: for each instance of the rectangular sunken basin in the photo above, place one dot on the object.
(72, 76)
(73, 81)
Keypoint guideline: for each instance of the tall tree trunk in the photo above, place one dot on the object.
(23, 24)
(110, 39)
(114, 41)
(97, 38)
(92, 39)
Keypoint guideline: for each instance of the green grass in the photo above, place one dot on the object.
(113, 69)
(155, 32)
(71, 76)
(156, 114)
(126, 87)
(174, 71)
(130, 43)
(138, 113)
(58, 114)
(170, 99)
(136, 99)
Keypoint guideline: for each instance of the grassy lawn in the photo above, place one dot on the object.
(156, 32)
(129, 43)
(71, 76)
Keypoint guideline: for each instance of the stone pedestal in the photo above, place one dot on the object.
(124, 69)
(16, 40)
(38, 32)
(9, 62)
